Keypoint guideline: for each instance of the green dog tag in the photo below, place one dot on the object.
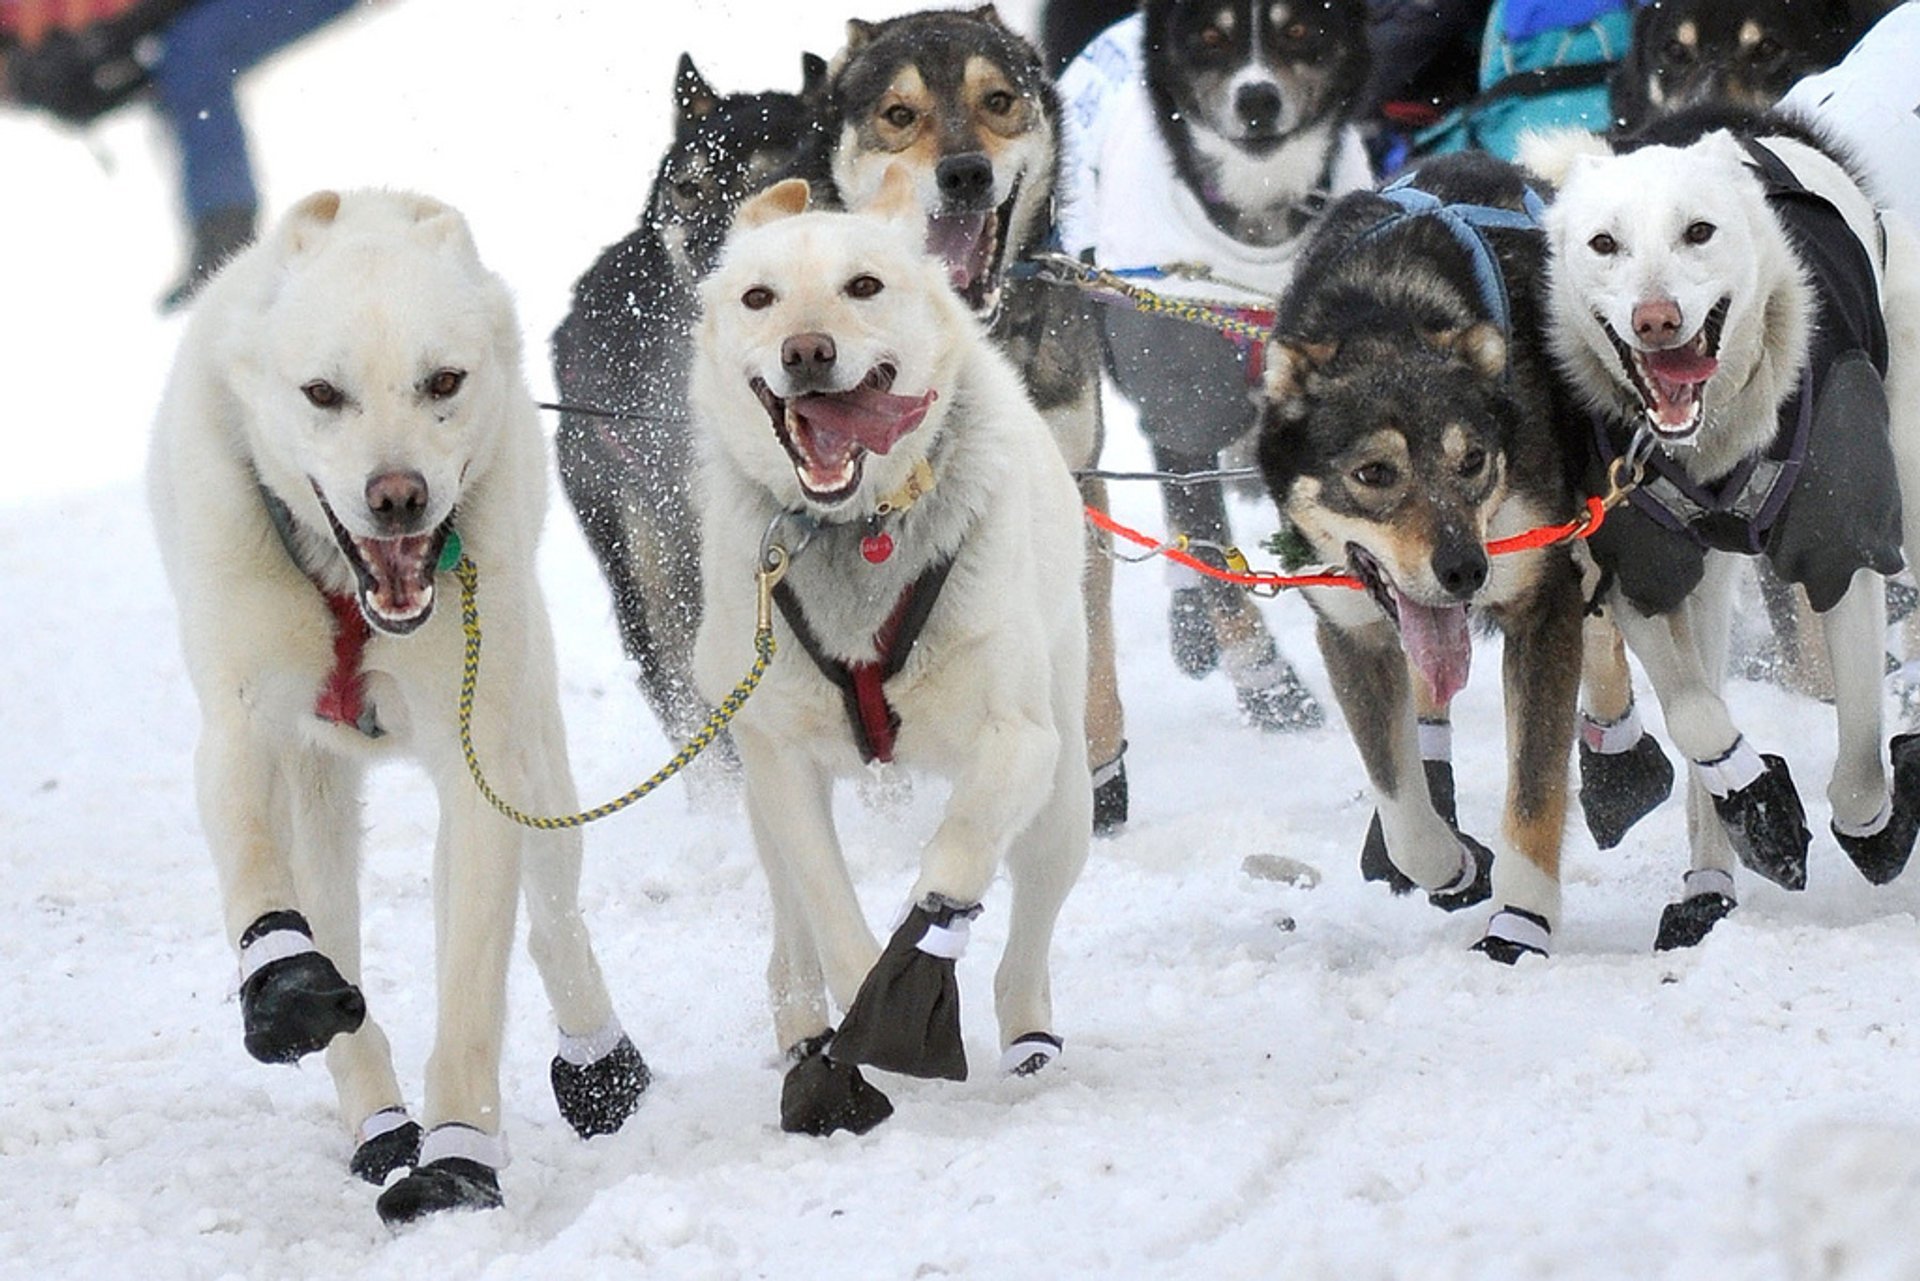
(450, 550)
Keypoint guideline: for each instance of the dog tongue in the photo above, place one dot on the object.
(833, 423)
(1437, 643)
(959, 240)
(1676, 376)
(402, 570)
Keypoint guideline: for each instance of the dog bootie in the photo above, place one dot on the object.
(1030, 1053)
(906, 1016)
(1513, 933)
(1709, 899)
(820, 1096)
(1196, 650)
(1110, 795)
(293, 1000)
(1270, 693)
(459, 1169)
(1623, 776)
(1756, 800)
(389, 1140)
(1474, 885)
(1375, 863)
(598, 1080)
(1881, 853)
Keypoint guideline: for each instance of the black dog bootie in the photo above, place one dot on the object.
(459, 1170)
(1620, 785)
(820, 1096)
(598, 1080)
(906, 1017)
(1883, 855)
(389, 1140)
(1709, 900)
(1766, 823)
(293, 1000)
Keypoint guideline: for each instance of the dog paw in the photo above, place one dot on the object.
(1284, 707)
(392, 1142)
(1475, 883)
(1883, 856)
(1110, 795)
(1513, 933)
(1196, 650)
(451, 1183)
(1618, 789)
(598, 1097)
(906, 1016)
(1030, 1053)
(1376, 864)
(296, 1003)
(1767, 825)
(1688, 922)
(820, 1096)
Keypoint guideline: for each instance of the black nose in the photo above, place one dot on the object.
(1460, 566)
(398, 501)
(804, 354)
(1258, 106)
(965, 181)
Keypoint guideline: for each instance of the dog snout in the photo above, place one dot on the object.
(1657, 323)
(1258, 106)
(965, 180)
(398, 501)
(1460, 567)
(807, 353)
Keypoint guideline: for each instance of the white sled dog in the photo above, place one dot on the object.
(1725, 296)
(348, 399)
(851, 411)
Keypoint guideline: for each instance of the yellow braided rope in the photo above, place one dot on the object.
(469, 577)
(1150, 301)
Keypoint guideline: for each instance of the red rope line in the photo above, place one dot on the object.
(1545, 536)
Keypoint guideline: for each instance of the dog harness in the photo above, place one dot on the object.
(342, 699)
(1821, 502)
(862, 685)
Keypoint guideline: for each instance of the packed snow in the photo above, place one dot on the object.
(1263, 1078)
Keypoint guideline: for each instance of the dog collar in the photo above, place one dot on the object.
(876, 544)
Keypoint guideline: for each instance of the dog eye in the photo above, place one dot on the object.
(1473, 462)
(445, 382)
(1675, 51)
(864, 286)
(900, 115)
(999, 102)
(688, 189)
(1214, 38)
(1767, 50)
(1604, 245)
(1699, 233)
(1295, 31)
(322, 394)
(1376, 475)
(758, 298)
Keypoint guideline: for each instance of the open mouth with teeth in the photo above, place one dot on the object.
(973, 246)
(393, 576)
(828, 434)
(1670, 381)
(1436, 638)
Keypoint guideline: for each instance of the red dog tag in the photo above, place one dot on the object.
(877, 547)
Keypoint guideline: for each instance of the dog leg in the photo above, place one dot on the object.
(1623, 773)
(1105, 718)
(293, 1000)
(324, 831)
(906, 1017)
(1374, 687)
(1436, 762)
(1874, 828)
(1541, 677)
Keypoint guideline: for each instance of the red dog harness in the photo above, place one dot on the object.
(342, 698)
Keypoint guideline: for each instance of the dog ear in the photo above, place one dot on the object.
(1480, 344)
(860, 34)
(781, 200)
(813, 77)
(308, 219)
(1289, 362)
(692, 95)
(987, 13)
(1551, 155)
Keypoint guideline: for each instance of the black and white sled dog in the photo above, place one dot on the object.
(851, 411)
(964, 105)
(1207, 135)
(1747, 53)
(1728, 304)
(348, 408)
(621, 358)
(1413, 415)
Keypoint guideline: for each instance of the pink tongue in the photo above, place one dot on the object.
(1682, 365)
(832, 424)
(1437, 643)
(402, 585)
(959, 240)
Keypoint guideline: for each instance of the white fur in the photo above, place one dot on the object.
(1644, 200)
(993, 696)
(373, 299)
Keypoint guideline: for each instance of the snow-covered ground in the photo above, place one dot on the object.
(1262, 1079)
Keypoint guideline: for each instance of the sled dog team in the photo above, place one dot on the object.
(827, 352)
